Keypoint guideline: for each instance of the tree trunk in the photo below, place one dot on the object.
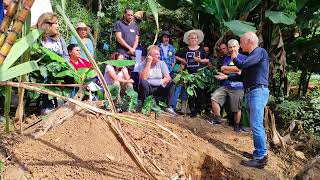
(301, 82)
(285, 85)
(305, 89)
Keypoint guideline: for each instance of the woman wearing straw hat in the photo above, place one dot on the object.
(194, 58)
(82, 30)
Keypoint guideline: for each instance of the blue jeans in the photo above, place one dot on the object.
(174, 100)
(256, 100)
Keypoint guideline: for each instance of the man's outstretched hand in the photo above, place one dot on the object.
(220, 76)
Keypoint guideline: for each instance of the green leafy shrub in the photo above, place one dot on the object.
(150, 105)
(290, 110)
(293, 78)
(315, 79)
(306, 110)
(203, 79)
(131, 97)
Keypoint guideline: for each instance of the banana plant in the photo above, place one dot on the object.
(229, 14)
(119, 63)
(232, 14)
(154, 10)
(9, 71)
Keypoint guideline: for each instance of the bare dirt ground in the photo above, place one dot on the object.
(85, 148)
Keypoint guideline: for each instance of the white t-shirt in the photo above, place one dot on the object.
(165, 50)
(111, 68)
(156, 73)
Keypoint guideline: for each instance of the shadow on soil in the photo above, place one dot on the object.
(106, 168)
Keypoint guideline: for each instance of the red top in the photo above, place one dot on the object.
(82, 63)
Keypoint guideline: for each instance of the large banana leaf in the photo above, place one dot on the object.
(55, 56)
(171, 4)
(240, 27)
(279, 17)
(119, 63)
(248, 6)
(154, 9)
(214, 7)
(301, 4)
(226, 10)
(19, 48)
(306, 43)
(18, 70)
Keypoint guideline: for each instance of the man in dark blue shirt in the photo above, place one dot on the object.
(127, 34)
(230, 89)
(255, 73)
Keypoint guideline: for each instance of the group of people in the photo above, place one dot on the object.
(241, 76)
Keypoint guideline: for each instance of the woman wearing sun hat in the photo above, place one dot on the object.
(193, 56)
(82, 30)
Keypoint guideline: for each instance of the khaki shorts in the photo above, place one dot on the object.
(222, 94)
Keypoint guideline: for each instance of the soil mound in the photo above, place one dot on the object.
(85, 148)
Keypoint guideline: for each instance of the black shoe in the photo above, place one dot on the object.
(247, 155)
(242, 129)
(193, 114)
(260, 164)
(214, 119)
(236, 128)
(119, 110)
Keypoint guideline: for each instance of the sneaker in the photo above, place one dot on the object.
(119, 110)
(170, 111)
(244, 130)
(247, 155)
(193, 114)
(256, 163)
(236, 128)
(215, 119)
(46, 111)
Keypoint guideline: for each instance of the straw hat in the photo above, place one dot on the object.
(193, 31)
(81, 25)
(139, 15)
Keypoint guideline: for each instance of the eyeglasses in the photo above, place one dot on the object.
(193, 38)
(82, 29)
(52, 23)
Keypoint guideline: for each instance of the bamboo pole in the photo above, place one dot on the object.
(128, 146)
(43, 91)
(16, 29)
(24, 58)
(8, 92)
(55, 85)
(11, 11)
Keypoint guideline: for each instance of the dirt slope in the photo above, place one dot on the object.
(85, 148)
